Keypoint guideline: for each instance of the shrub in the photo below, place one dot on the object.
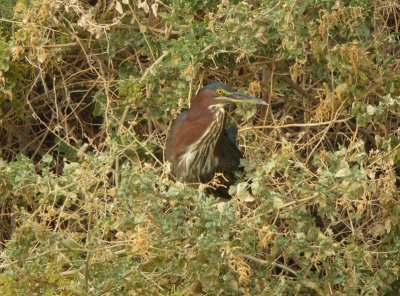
(87, 92)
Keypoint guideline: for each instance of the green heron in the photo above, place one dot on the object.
(198, 145)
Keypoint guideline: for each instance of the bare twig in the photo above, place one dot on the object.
(264, 262)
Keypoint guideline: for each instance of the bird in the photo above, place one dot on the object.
(198, 144)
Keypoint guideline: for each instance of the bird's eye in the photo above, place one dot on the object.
(220, 91)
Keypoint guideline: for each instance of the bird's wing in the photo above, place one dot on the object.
(231, 133)
(229, 156)
(171, 139)
(228, 152)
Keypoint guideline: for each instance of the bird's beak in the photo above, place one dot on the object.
(238, 97)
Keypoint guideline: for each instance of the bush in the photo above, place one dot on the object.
(87, 92)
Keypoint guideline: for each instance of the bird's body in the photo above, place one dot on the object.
(184, 149)
(198, 146)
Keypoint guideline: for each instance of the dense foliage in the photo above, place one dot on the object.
(87, 92)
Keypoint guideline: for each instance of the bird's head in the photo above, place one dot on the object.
(219, 94)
